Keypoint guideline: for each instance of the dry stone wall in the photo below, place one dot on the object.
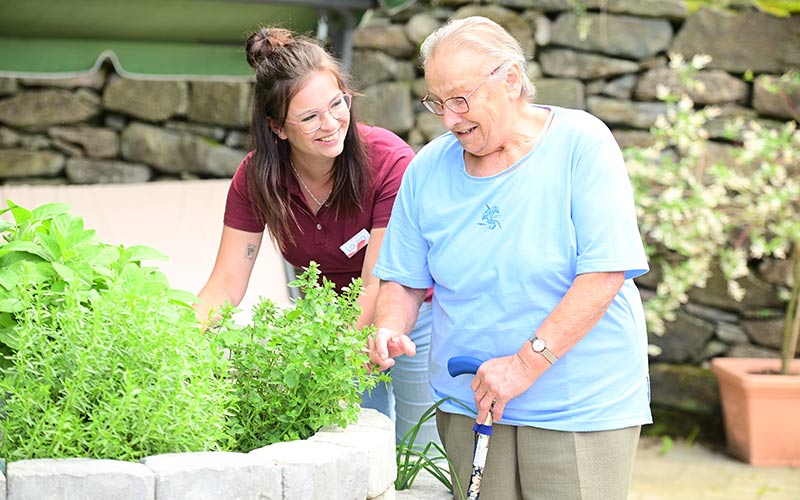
(609, 59)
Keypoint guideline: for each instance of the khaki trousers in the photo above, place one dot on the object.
(527, 463)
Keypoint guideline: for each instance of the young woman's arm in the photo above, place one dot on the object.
(231, 274)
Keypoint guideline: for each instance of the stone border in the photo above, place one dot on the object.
(354, 463)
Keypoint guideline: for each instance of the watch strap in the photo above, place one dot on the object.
(544, 351)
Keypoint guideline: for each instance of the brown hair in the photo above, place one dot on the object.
(283, 62)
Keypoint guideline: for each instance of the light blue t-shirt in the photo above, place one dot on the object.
(501, 252)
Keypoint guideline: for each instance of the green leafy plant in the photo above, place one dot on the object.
(697, 210)
(413, 458)
(666, 445)
(296, 370)
(102, 358)
(780, 8)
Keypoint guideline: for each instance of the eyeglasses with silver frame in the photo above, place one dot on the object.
(338, 109)
(458, 104)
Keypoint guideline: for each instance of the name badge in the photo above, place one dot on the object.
(356, 243)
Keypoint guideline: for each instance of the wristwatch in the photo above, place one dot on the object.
(539, 346)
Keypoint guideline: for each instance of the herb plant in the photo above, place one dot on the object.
(102, 359)
(296, 370)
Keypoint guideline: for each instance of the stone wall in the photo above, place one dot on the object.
(608, 60)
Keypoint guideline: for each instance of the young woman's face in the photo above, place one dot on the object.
(318, 117)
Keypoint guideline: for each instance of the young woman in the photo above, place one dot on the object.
(323, 187)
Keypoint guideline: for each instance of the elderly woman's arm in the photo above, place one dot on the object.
(395, 314)
(586, 301)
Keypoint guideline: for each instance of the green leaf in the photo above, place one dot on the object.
(66, 273)
(78, 237)
(43, 212)
(105, 255)
(8, 336)
(183, 296)
(779, 8)
(26, 247)
(51, 245)
(291, 378)
(10, 305)
(9, 277)
(20, 214)
(35, 272)
(138, 253)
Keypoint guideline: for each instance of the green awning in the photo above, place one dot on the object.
(197, 39)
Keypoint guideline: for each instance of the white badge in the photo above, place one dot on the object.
(356, 243)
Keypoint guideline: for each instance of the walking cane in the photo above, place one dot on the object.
(459, 365)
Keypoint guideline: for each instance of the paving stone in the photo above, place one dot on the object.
(214, 475)
(377, 444)
(318, 469)
(78, 479)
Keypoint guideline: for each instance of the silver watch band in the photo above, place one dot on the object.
(540, 347)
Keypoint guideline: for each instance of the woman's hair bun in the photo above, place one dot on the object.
(264, 41)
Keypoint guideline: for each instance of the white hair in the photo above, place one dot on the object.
(485, 38)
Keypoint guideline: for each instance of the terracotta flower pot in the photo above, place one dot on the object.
(760, 409)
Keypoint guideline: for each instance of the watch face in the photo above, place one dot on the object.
(538, 345)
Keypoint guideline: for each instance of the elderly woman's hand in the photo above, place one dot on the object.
(498, 381)
(386, 344)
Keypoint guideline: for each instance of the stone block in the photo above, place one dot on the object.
(624, 36)
(389, 494)
(387, 105)
(318, 469)
(38, 109)
(373, 418)
(214, 476)
(772, 43)
(377, 443)
(23, 163)
(78, 479)
(565, 92)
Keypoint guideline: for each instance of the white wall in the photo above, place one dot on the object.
(182, 219)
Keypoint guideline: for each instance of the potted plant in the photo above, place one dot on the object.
(701, 212)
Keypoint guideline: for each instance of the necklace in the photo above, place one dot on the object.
(308, 190)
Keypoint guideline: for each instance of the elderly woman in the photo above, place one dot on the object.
(522, 218)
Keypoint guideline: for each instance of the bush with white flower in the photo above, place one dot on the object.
(699, 212)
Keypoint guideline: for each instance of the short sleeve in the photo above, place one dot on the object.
(239, 211)
(604, 213)
(404, 253)
(389, 156)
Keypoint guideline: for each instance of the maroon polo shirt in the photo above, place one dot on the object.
(320, 236)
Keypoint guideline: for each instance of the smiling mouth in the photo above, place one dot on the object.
(465, 132)
(329, 138)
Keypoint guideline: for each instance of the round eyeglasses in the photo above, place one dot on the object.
(312, 121)
(458, 104)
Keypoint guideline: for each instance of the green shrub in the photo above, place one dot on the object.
(102, 359)
(298, 369)
(700, 211)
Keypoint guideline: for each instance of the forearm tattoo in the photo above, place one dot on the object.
(250, 251)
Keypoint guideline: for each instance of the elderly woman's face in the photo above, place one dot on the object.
(461, 87)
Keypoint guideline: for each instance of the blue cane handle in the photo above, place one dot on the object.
(459, 365)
